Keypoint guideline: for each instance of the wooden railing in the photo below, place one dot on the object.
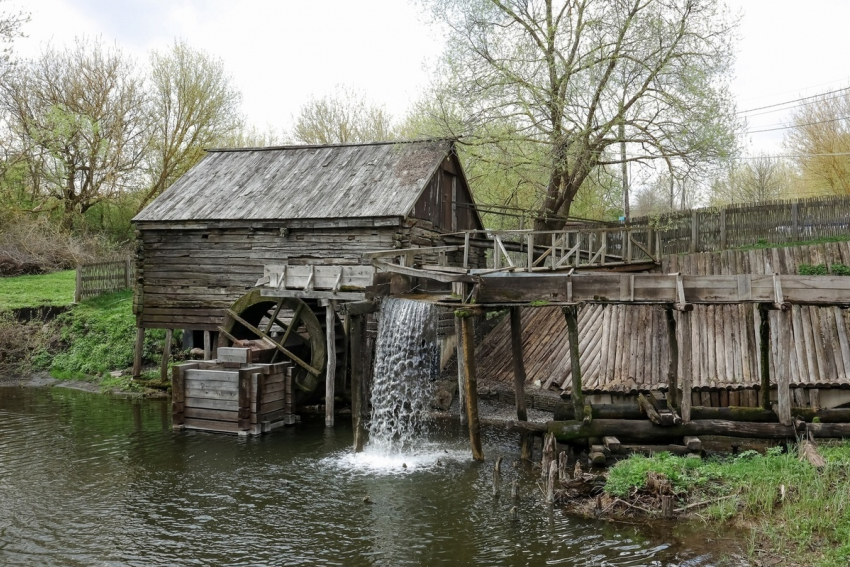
(97, 278)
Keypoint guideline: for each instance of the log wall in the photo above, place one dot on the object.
(188, 275)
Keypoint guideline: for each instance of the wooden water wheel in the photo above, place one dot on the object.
(288, 325)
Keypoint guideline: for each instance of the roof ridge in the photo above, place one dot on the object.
(321, 146)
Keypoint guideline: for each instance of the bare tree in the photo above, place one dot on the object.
(342, 117)
(193, 105)
(820, 136)
(760, 179)
(78, 115)
(10, 28)
(581, 79)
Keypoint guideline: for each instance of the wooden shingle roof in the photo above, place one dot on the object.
(302, 182)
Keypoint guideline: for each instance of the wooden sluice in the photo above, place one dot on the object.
(667, 416)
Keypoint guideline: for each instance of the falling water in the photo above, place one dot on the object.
(406, 364)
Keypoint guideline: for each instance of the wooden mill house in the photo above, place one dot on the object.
(309, 212)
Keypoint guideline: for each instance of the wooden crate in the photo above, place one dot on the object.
(249, 400)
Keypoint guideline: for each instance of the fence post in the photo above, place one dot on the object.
(127, 273)
(795, 221)
(723, 229)
(694, 231)
(78, 288)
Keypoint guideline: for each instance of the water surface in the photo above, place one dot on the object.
(87, 480)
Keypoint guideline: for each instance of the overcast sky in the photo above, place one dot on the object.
(282, 52)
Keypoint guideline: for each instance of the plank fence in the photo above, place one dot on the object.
(97, 278)
(734, 226)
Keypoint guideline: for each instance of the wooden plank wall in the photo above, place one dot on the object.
(624, 348)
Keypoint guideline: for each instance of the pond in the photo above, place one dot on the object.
(87, 479)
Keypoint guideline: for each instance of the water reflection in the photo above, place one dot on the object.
(91, 480)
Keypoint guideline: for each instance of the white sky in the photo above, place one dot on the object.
(280, 52)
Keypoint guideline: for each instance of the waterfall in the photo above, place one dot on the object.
(406, 364)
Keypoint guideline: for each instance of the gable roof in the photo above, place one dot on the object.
(302, 182)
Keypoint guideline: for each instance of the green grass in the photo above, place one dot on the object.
(55, 289)
(763, 243)
(810, 525)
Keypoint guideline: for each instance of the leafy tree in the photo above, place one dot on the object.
(570, 83)
(820, 137)
(78, 116)
(340, 118)
(193, 105)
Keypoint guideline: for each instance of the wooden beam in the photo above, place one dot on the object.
(357, 383)
(782, 365)
(519, 365)
(137, 353)
(403, 251)
(207, 345)
(571, 315)
(272, 342)
(302, 294)
(330, 370)
(686, 353)
(436, 276)
(471, 383)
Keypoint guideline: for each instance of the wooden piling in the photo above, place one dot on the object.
(519, 364)
(207, 346)
(673, 367)
(571, 314)
(764, 354)
(461, 375)
(496, 473)
(782, 365)
(137, 353)
(357, 395)
(687, 368)
(330, 370)
(166, 355)
(515, 490)
(178, 389)
(562, 466)
(471, 386)
(550, 482)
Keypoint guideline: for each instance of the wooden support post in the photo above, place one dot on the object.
(207, 345)
(686, 356)
(461, 375)
(178, 389)
(137, 353)
(764, 354)
(562, 467)
(673, 367)
(330, 367)
(519, 364)
(244, 400)
(526, 447)
(550, 482)
(466, 250)
(166, 355)
(571, 314)
(78, 288)
(782, 366)
(496, 472)
(357, 397)
(468, 340)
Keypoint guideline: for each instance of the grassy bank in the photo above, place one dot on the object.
(56, 289)
(88, 342)
(794, 513)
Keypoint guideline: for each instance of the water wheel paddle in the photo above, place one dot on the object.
(302, 340)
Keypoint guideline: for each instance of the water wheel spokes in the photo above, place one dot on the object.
(288, 325)
(271, 342)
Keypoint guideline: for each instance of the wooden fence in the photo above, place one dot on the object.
(776, 222)
(103, 277)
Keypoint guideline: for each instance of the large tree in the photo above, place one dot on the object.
(193, 105)
(571, 83)
(78, 116)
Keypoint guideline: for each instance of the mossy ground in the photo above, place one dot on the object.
(794, 513)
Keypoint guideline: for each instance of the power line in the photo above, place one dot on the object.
(798, 125)
(798, 90)
(793, 101)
